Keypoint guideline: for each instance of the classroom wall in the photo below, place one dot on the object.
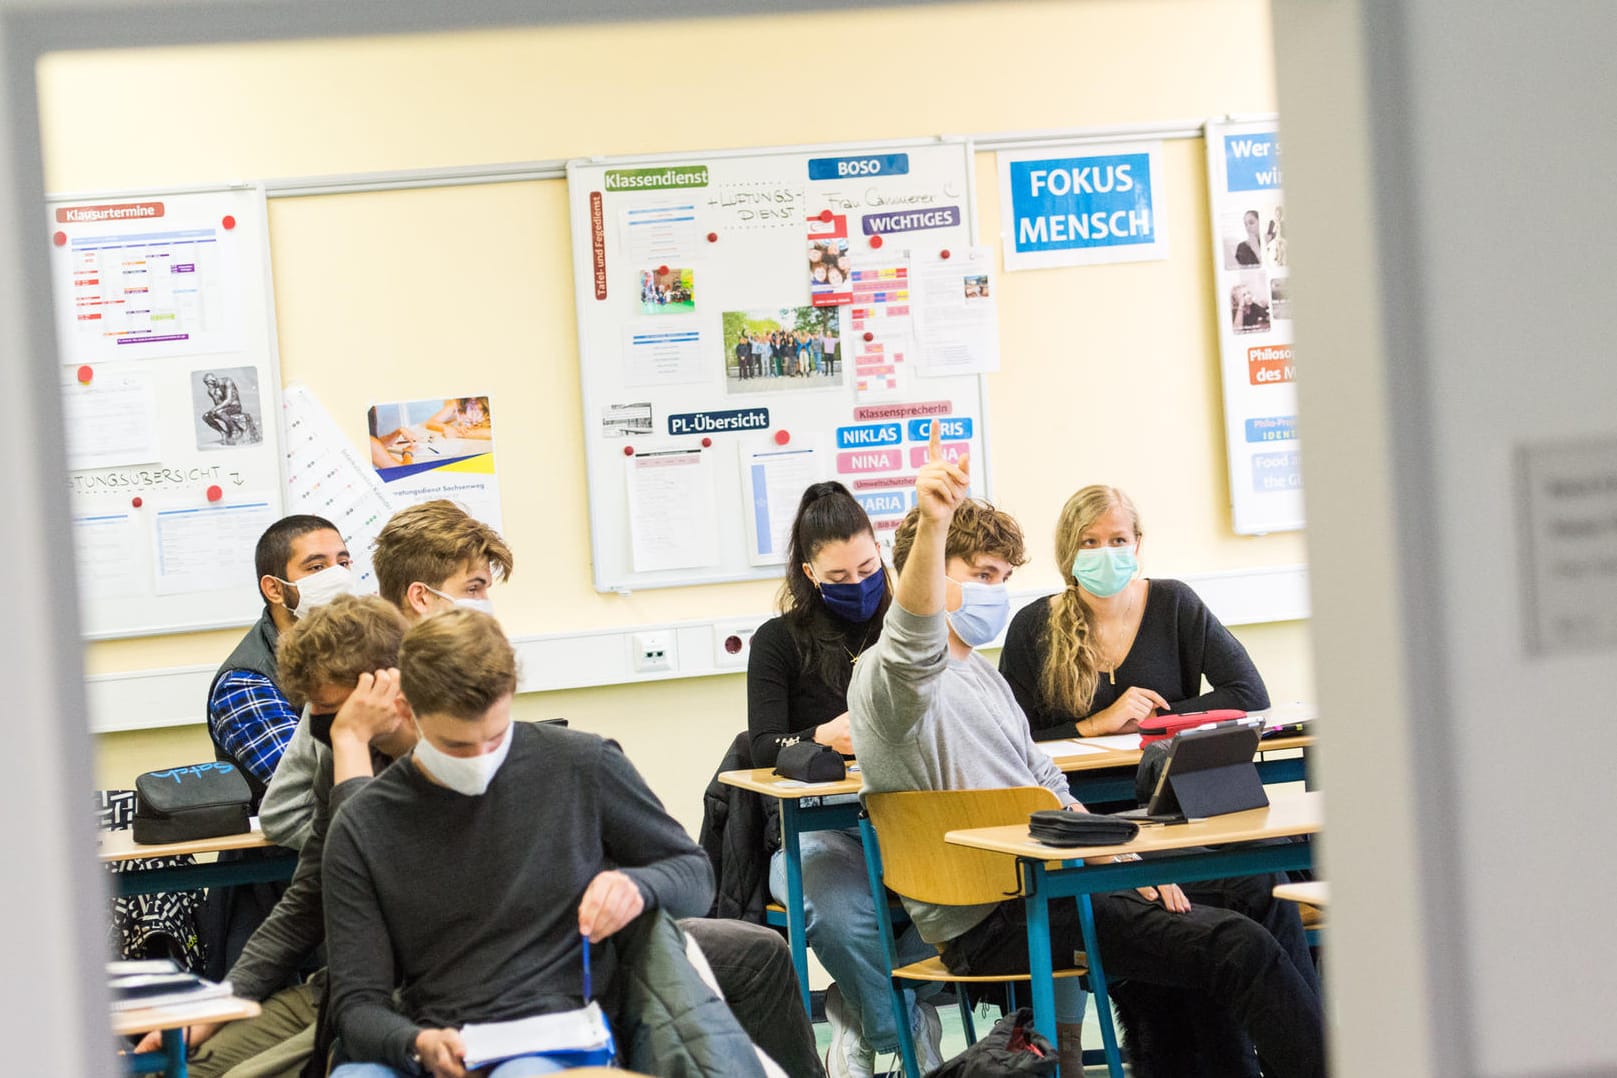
(1110, 373)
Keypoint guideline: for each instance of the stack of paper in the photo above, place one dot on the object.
(583, 1030)
(158, 983)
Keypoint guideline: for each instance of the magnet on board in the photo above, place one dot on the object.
(86, 373)
(215, 493)
(782, 437)
(944, 253)
(713, 237)
(826, 215)
(229, 222)
(628, 450)
(707, 443)
(869, 336)
(136, 502)
(875, 241)
(60, 239)
(662, 271)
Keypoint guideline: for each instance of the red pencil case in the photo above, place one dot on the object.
(1162, 727)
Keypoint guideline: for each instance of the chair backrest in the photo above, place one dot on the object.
(918, 864)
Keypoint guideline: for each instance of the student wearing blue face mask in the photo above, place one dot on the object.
(832, 603)
(1115, 647)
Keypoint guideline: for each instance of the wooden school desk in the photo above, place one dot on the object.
(172, 1021)
(1093, 776)
(120, 846)
(1045, 875)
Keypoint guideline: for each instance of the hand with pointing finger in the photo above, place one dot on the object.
(941, 486)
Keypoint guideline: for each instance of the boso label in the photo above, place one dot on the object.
(1252, 162)
(890, 503)
(868, 435)
(954, 428)
(841, 168)
(719, 422)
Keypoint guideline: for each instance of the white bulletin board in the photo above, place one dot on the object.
(853, 268)
(172, 403)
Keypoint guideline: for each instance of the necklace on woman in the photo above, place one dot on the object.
(853, 656)
(1111, 675)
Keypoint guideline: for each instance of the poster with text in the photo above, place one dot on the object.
(1252, 293)
(1081, 205)
(442, 447)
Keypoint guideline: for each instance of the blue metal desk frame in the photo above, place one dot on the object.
(801, 815)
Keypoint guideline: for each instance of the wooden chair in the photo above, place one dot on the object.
(905, 852)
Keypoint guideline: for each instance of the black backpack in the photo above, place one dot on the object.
(1011, 1048)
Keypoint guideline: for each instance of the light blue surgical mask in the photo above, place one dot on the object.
(984, 610)
(1105, 571)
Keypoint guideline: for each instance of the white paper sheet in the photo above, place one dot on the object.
(657, 353)
(954, 302)
(198, 547)
(881, 310)
(580, 1030)
(326, 476)
(673, 523)
(663, 234)
(1069, 747)
(111, 422)
(104, 548)
(774, 480)
(1117, 742)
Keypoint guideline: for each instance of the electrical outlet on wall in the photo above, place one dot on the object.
(732, 642)
(652, 653)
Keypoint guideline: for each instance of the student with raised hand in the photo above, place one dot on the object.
(927, 713)
(462, 882)
(1115, 647)
(339, 660)
(832, 602)
(428, 558)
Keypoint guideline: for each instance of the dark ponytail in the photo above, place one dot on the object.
(826, 514)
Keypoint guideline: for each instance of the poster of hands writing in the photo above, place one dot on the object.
(754, 322)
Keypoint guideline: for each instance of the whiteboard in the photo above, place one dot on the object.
(745, 329)
(1255, 333)
(171, 403)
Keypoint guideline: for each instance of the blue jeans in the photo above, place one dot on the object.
(521, 1067)
(841, 922)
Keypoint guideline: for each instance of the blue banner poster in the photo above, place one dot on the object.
(1081, 205)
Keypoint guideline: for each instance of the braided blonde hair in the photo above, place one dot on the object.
(1072, 652)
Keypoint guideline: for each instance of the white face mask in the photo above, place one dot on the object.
(469, 775)
(482, 606)
(318, 589)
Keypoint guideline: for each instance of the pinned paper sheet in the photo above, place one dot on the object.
(672, 522)
(199, 546)
(109, 423)
(953, 301)
(774, 480)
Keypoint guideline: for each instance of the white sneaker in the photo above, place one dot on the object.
(927, 1030)
(849, 1056)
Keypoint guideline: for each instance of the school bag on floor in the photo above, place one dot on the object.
(1012, 1049)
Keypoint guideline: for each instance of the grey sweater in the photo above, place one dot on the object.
(924, 721)
(469, 905)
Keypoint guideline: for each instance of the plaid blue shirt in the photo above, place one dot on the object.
(252, 720)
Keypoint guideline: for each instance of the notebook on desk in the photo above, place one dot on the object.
(1207, 773)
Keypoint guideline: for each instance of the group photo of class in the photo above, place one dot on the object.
(976, 698)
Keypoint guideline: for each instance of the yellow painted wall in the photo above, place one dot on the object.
(1110, 373)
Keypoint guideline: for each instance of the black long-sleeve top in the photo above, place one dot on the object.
(785, 701)
(1178, 643)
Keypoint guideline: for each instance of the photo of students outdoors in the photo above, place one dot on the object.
(1249, 303)
(667, 290)
(785, 348)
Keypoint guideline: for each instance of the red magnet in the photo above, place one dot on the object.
(136, 502)
(86, 373)
(707, 443)
(628, 450)
(229, 222)
(869, 336)
(713, 237)
(944, 253)
(875, 241)
(662, 271)
(214, 493)
(60, 239)
(825, 215)
(782, 437)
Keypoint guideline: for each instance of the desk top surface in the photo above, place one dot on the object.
(763, 780)
(121, 845)
(1300, 813)
(147, 1019)
(1314, 892)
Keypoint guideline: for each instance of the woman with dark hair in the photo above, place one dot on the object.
(832, 603)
